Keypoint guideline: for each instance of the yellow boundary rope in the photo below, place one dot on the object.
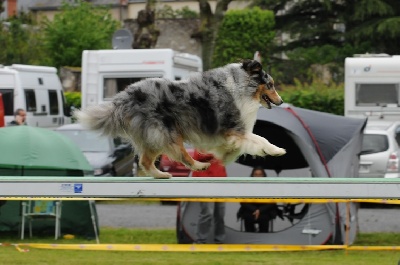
(205, 247)
(266, 200)
(22, 247)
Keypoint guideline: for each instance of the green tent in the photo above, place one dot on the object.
(75, 219)
(32, 151)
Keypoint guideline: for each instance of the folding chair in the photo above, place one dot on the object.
(270, 224)
(41, 210)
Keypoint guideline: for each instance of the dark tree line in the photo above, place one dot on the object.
(320, 31)
(327, 31)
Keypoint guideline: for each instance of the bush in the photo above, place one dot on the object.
(242, 33)
(315, 96)
(73, 99)
(167, 12)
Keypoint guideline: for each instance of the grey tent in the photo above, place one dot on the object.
(318, 145)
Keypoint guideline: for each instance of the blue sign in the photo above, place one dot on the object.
(78, 188)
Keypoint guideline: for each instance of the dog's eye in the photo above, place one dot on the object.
(269, 81)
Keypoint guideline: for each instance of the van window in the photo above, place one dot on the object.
(53, 101)
(30, 99)
(377, 94)
(397, 135)
(8, 100)
(114, 85)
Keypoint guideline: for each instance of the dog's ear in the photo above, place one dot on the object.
(252, 66)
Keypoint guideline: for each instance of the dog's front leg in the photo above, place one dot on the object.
(253, 144)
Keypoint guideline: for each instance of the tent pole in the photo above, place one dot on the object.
(347, 227)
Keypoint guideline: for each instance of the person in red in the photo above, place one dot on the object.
(211, 213)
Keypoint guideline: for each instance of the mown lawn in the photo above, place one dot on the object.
(9, 255)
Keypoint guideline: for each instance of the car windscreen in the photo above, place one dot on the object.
(87, 141)
(374, 143)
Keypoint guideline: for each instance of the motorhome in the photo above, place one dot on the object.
(36, 89)
(372, 86)
(107, 72)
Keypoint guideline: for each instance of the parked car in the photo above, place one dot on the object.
(176, 169)
(380, 150)
(108, 156)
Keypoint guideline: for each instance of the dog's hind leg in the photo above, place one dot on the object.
(147, 160)
(177, 152)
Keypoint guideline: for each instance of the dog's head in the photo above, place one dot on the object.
(265, 92)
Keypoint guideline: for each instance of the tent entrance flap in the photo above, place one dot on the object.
(279, 136)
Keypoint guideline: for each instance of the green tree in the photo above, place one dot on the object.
(376, 22)
(78, 27)
(243, 32)
(328, 31)
(306, 35)
(21, 41)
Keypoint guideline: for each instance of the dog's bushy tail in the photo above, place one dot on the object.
(99, 118)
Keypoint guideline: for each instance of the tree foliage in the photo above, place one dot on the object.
(73, 99)
(21, 41)
(328, 31)
(243, 32)
(167, 12)
(376, 22)
(78, 27)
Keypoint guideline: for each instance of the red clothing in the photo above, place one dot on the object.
(217, 169)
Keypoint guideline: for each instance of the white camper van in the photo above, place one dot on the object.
(36, 89)
(372, 90)
(107, 72)
(372, 86)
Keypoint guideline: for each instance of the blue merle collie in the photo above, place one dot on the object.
(214, 111)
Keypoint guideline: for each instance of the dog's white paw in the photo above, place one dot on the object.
(161, 175)
(276, 151)
(198, 166)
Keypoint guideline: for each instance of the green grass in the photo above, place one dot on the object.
(10, 256)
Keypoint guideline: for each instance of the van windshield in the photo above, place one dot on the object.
(8, 100)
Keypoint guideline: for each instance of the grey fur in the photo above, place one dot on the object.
(155, 112)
